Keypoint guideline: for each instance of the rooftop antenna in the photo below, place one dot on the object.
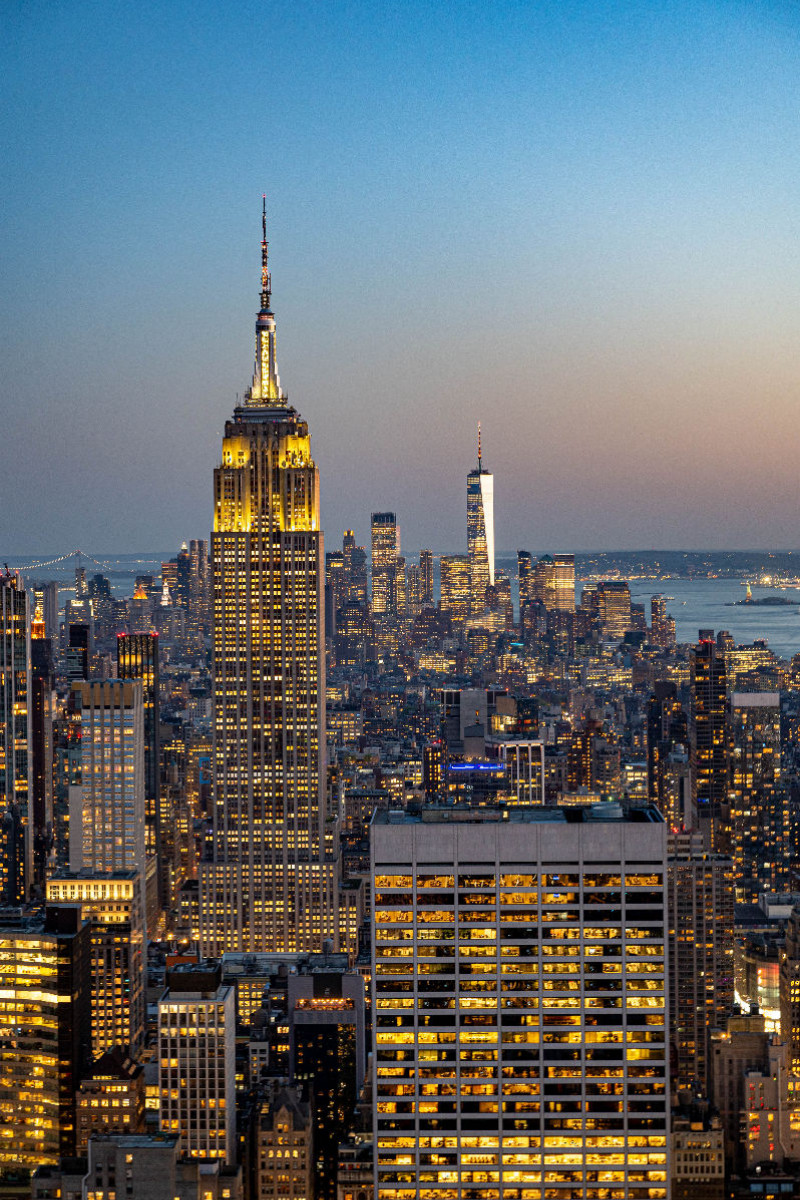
(266, 286)
(479, 445)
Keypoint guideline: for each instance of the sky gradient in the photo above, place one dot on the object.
(575, 222)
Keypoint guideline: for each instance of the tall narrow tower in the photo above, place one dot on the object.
(268, 882)
(480, 531)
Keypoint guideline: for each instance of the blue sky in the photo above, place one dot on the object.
(575, 222)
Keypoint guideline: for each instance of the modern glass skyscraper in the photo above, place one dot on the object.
(269, 881)
(480, 531)
(385, 552)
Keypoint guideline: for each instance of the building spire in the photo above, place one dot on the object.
(266, 386)
(266, 284)
(479, 445)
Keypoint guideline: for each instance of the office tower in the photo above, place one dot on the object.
(106, 819)
(710, 740)
(110, 1099)
(42, 705)
(667, 728)
(400, 588)
(612, 603)
(44, 1033)
(197, 1055)
(385, 551)
(327, 1023)
(137, 659)
(80, 648)
(740, 1046)
(761, 834)
(45, 596)
(113, 904)
(525, 576)
(285, 1166)
(662, 626)
(564, 582)
(434, 772)
(480, 532)
(700, 906)
(520, 1030)
(413, 590)
(543, 586)
(270, 880)
(455, 589)
(15, 741)
(426, 577)
(790, 990)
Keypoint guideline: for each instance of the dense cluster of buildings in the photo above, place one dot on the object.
(351, 874)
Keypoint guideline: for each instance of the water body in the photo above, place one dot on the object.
(703, 604)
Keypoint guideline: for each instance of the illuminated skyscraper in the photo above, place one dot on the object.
(269, 884)
(455, 589)
(480, 531)
(519, 990)
(137, 658)
(426, 577)
(761, 832)
(385, 552)
(711, 739)
(106, 812)
(564, 582)
(15, 741)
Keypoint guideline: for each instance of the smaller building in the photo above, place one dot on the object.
(111, 1098)
(285, 1148)
(698, 1161)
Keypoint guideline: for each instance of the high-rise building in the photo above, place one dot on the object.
(113, 903)
(197, 1055)
(480, 531)
(612, 605)
(270, 881)
(44, 1033)
(519, 991)
(385, 552)
(455, 589)
(426, 577)
(761, 834)
(111, 1098)
(710, 740)
(700, 887)
(564, 582)
(42, 708)
(137, 659)
(326, 1021)
(106, 820)
(15, 741)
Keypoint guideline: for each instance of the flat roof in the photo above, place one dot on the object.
(534, 814)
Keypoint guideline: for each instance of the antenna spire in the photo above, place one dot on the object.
(479, 445)
(266, 285)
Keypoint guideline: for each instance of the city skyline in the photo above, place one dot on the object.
(617, 265)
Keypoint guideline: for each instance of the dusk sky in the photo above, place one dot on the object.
(575, 222)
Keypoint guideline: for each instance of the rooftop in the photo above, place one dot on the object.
(522, 815)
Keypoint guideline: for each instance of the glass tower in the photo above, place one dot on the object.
(480, 531)
(268, 883)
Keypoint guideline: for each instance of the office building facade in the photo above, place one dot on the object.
(519, 990)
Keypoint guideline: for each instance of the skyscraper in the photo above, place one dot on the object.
(137, 658)
(480, 531)
(269, 882)
(761, 833)
(15, 741)
(520, 1031)
(564, 582)
(106, 819)
(711, 739)
(385, 551)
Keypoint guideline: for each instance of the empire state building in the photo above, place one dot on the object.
(269, 879)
